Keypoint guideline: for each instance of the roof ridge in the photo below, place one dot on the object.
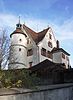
(29, 28)
(44, 30)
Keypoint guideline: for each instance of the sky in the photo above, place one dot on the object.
(38, 15)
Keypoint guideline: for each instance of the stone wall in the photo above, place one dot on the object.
(50, 92)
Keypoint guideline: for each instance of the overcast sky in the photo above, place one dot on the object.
(39, 14)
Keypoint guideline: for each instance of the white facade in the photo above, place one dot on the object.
(27, 53)
(18, 55)
(44, 44)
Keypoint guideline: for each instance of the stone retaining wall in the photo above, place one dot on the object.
(50, 92)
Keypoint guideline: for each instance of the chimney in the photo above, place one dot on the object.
(57, 43)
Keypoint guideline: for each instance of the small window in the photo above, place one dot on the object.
(50, 44)
(43, 52)
(30, 64)
(50, 36)
(30, 52)
(20, 39)
(63, 55)
(27, 41)
(67, 58)
(19, 49)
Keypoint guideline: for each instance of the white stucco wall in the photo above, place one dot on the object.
(57, 57)
(16, 55)
(44, 44)
(67, 63)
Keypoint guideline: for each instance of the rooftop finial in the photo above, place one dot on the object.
(19, 24)
(19, 19)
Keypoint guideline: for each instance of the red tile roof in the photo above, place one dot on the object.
(30, 32)
(42, 34)
(37, 37)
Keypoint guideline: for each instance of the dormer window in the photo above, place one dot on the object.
(50, 44)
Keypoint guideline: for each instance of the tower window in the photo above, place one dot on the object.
(19, 49)
(20, 39)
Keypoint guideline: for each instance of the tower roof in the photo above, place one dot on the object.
(17, 31)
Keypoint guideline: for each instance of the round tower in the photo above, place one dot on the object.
(18, 49)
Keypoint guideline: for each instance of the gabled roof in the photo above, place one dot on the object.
(42, 34)
(37, 37)
(33, 34)
(60, 50)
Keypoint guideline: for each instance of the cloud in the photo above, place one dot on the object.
(65, 31)
(7, 20)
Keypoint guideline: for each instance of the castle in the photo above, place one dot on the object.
(29, 48)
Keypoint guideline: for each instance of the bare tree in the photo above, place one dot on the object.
(4, 49)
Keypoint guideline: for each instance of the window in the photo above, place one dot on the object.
(20, 39)
(19, 49)
(43, 52)
(27, 41)
(50, 36)
(67, 58)
(29, 52)
(63, 55)
(50, 44)
(49, 54)
(30, 64)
